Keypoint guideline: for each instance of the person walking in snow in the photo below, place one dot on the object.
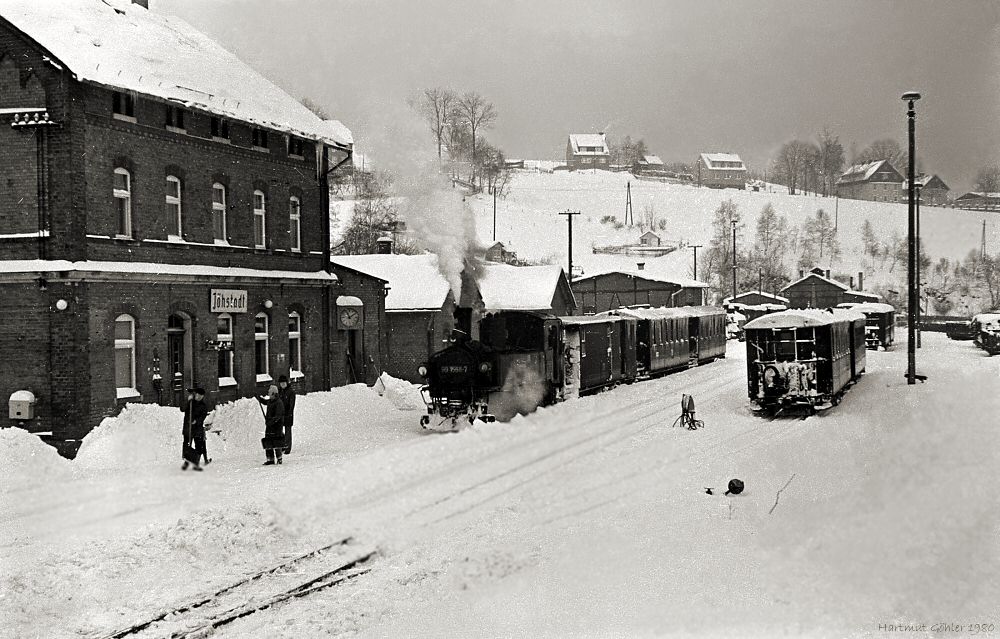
(195, 412)
(287, 395)
(274, 419)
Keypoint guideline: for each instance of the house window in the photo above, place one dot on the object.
(125, 355)
(260, 138)
(123, 106)
(175, 118)
(294, 343)
(260, 350)
(259, 220)
(295, 223)
(586, 160)
(220, 128)
(224, 336)
(219, 213)
(173, 205)
(294, 146)
(123, 203)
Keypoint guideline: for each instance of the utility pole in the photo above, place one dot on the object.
(629, 216)
(911, 347)
(734, 260)
(569, 218)
(696, 247)
(982, 248)
(917, 188)
(494, 214)
(760, 280)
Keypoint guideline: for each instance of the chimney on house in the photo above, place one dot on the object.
(142, 3)
(802, 273)
(383, 246)
(852, 282)
(641, 265)
(827, 273)
(861, 280)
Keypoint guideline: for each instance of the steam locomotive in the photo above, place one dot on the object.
(804, 358)
(527, 359)
(986, 332)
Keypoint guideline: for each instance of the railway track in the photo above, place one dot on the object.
(297, 577)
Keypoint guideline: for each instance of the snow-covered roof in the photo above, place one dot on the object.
(874, 307)
(839, 285)
(666, 311)
(863, 172)
(971, 195)
(850, 314)
(348, 300)
(589, 140)
(519, 288)
(868, 296)
(779, 298)
(711, 158)
(797, 318)
(121, 45)
(651, 159)
(652, 276)
(415, 282)
(158, 268)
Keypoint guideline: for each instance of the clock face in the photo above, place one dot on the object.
(350, 317)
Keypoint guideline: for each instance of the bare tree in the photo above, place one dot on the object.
(791, 159)
(885, 149)
(478, 114)
(988, 179)
(435, 106)
(831, 153)
(313, 106)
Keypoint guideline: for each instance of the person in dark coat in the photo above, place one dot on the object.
(274, 420)
(195, 412)
(287, 395)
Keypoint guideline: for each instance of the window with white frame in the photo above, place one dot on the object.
(295, 343)
(219, 213)
(295, 223)
(125, 355)
(261, 351)
(173, 204)
(224, 338)
(123, 203)
(259, 220)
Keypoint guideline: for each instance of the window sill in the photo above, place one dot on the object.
(294, 375)
(176, 239)
(296, 157)
(126, 393)
(174, 129)
(216, 138)
(261, 149)
(219, 242)
(124, 118)
(123, 237)
(227, 381)
(263, 377)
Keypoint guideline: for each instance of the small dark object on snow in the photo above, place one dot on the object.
(735, 487)
(687, 419)
(708, 491)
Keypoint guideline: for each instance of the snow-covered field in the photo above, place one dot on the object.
(586, 519)
(528, 221)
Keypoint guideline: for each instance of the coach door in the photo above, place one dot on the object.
(180, 360)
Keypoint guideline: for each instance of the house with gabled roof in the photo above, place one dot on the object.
(721, 171)
(877, 181)
(978, 201)
(933, 191)
(649, 165)
(755, 298)
(608, 290)
(816, 289)
(587, 151)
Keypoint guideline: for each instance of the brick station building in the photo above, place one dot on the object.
(163, 220)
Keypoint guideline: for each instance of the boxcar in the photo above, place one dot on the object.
(857, 338)
(803, 357)
(706, 331)
(600, 352)
(753, 311)
(880, 324)
(662, 343)
(986, 328)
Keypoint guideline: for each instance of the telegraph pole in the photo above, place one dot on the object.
(696, 247)
(911, 347)
(569, 218)
(629, 216)
(917, 188)
(734, 260)
(494, 215)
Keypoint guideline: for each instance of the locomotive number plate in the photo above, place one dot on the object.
(454, 369)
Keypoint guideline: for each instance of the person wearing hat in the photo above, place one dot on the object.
(274, 419)
(195, 412)
(287, 395)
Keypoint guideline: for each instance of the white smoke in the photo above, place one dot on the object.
(401, 143)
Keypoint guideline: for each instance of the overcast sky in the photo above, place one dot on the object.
(684, 76)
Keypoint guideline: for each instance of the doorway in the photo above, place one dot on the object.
(180, 356)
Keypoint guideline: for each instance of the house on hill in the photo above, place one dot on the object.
(721, 171)
(587, 151)
(498, 252)
(876, 181)
(816, 289)
(649, 239)
(609, 290)
(526, 288)
(164, 209)
(933, 190)
(649, 165)
(977, 201)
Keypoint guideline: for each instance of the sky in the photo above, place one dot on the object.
(684, 76)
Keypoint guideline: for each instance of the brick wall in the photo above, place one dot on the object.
(370, 361)
(413, 337)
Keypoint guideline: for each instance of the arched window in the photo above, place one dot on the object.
(261, 351)
(259, 220)
(173, 204)
(123, 203)
(295, 344)
(125, 356)
(295, 223)
(219, 213)
(224, 335)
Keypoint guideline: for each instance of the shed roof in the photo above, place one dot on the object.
(772, 296)
(650, 276)
(874, 307)
(827, 280)
(589, 140)
(415, 283)
(121, 45)
(520, 288)
(796, 318)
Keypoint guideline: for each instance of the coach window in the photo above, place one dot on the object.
(173, 203)
(295, 344)
(259, 220)
(219, 213)
(261, 351)
(125, 356)
(123, 203)
(295, 223)
(224, 337)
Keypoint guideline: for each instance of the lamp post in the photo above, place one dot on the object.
(917, 189)
(910, 97)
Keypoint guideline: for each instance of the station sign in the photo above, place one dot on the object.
(228, 301)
